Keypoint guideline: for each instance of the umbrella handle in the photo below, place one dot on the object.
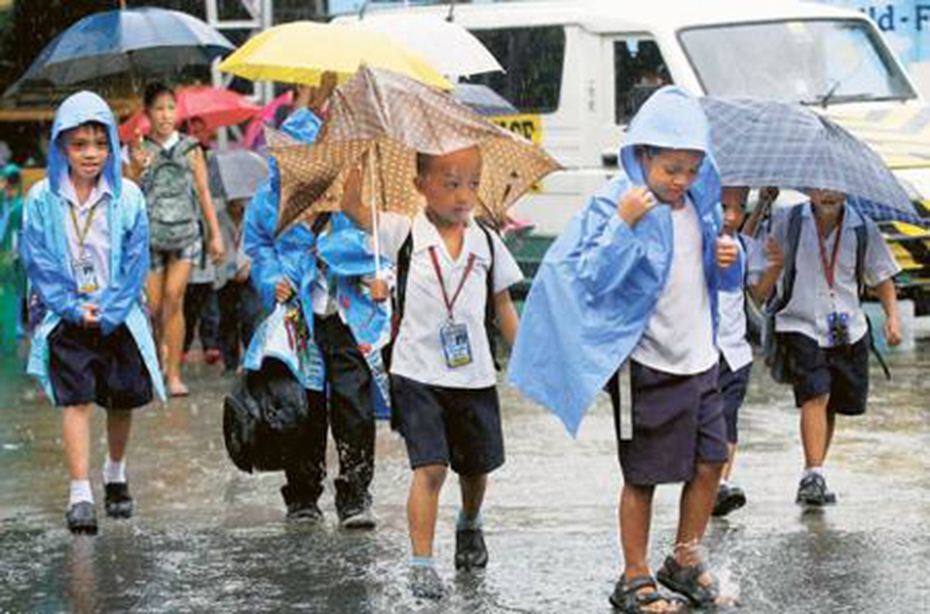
(374, 216)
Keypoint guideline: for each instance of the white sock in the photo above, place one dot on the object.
(814, 471)
(80, 491)
(114, 472)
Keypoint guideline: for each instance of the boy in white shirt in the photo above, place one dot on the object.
(822, 324)
(442, 373)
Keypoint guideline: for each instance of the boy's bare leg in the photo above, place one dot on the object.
(176, 276)
(728, 467)
(119, 424)
(697, 502)
(423, 506)
(816, 431)
(635, 521)
(75, 422)
(473, 489)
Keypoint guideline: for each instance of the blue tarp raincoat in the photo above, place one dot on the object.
(599, 283)
(45, 248)
(343, 247)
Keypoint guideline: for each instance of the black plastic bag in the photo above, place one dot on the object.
(266, 419)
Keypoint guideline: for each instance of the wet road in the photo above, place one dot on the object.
(209, 538)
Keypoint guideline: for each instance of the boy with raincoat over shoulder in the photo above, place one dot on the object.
(321, 267)
(626, 300)
(85, 249)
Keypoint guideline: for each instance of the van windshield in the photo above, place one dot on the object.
(823, 61)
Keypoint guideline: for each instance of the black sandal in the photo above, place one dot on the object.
(628, 600)
(683, 579)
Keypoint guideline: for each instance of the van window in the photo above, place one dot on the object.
(811, 62)
(533, 58)
(639, 70)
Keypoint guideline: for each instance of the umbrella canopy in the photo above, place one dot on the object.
(216, 107)
(140, 41)
(301, 51)
(448, 46)
(760, 143)
(237, 173)
(483, 100)
(384, 119)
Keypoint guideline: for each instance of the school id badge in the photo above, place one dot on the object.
(85, 275)
(838, 329)
(455, 344)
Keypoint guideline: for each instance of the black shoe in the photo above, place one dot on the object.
(81, 518)
(360, 517)
(813, 491)
(425, 582)
(729, 499)
(470, 551)
(304, 512)
(117, 502)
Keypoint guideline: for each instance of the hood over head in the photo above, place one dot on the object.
(75, 111)
(673, 119)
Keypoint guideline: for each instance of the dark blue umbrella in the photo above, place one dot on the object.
(138, 41)
(760, 143)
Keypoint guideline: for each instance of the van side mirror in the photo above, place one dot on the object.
(609, 159)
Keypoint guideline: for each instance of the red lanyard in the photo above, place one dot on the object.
(442, 284)
(829, 268)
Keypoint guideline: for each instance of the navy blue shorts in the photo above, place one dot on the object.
(841, 372)
(86, 366)
(677, 422)
(733, 386)
(457, 427)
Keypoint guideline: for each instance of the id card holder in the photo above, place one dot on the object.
(838, 329)
(455, 344)
(85, 275)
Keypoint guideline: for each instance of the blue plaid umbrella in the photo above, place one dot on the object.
(143, 40)
(760, 143)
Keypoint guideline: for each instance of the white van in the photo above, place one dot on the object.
(578, 70)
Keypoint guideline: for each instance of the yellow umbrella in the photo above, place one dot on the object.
(301, 51)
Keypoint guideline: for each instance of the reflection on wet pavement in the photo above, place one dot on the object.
(209, 538)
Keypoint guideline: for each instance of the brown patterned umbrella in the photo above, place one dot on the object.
(380, 120)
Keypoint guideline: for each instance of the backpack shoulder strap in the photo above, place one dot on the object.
(402, 271)
(795, 219)
(862, 246)
(490, 317)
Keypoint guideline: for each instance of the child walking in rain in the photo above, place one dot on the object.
(286, 268)
(86, 251)
(735, 351)
(626, 299)
(173, 174)
(444, 398)
(824, 252)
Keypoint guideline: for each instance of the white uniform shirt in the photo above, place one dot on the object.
(731, 331)
(97, 241)
(418, 352)
(679, 338)
(811, 300)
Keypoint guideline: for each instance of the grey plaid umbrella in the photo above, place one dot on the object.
(760, 143)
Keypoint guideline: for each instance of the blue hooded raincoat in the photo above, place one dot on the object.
(345, 250)
(45, 246)
(599, 283)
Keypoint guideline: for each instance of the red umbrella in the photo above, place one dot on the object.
(217, 108)
(256, 129)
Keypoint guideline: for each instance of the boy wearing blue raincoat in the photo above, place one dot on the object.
(287, 267)
(85, 249)
(626, 299)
